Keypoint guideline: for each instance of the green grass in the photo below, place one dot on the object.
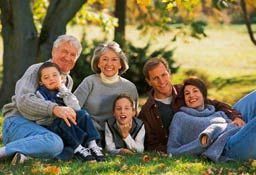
(225, 60)
(135, 164)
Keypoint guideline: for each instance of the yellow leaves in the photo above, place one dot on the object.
(86, 15)
(171, 5)
(47, 169)
(96, 1)
(143, 3)
(181, 4)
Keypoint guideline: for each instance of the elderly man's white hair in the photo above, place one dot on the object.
(70, 39)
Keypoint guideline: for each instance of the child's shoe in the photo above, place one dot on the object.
(97, 153)
(19, 158)
(84, 154)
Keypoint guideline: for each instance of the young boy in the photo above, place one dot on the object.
(124, 134)
(79, 135)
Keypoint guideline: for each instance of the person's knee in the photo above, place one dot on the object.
(83, 116)
(54, 145)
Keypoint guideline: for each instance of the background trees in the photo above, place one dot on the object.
(23, 43)
(30, 26)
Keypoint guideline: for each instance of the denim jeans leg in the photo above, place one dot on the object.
(84, 121)
(247, 106)
(242, 145)
(29, 138)
(72, 136)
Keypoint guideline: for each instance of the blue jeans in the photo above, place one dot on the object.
(242, 145)
(247, 106)
(75, 135)
(29, 138)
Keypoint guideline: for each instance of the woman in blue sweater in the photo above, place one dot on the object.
(200, 130)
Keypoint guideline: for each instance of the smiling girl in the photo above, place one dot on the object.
(124, 134)
(198, 129)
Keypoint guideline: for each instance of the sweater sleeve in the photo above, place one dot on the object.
(212, 132)
(82, 91)
(136, 144)
(27, 102)
(69, 99)
(176, 145)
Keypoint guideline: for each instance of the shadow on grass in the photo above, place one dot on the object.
(220, 83)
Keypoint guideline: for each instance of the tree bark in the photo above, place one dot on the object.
(20, 43)
(22, 46)
(59, 13)
(120, 13)
(247, 21)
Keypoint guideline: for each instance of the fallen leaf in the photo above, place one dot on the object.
(51, 170)
(208, 172)
(146, 158)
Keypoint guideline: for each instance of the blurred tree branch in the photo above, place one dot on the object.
(247, 21)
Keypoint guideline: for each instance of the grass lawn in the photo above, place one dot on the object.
(147, 163)
(226, 60)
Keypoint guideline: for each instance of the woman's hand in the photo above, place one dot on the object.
(65, 113)
(238, 121)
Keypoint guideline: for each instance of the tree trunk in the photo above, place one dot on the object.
(22, 47)
(20, 43)
(247, 21)
(59, 13)
(120, 12)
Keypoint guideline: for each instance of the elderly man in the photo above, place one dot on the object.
(163, 101)
(22, 133)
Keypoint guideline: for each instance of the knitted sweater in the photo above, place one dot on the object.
(26, 103)
(98, 97)
(189, 125)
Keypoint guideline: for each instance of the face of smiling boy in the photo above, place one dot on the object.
(50, 78)
(123, 111)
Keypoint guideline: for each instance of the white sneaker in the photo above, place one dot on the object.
(19, 158)
(97, 153)
(84, 154)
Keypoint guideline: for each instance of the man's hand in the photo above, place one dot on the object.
(65, 113)
(238, 121)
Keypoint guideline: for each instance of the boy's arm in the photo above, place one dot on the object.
(69, 99)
